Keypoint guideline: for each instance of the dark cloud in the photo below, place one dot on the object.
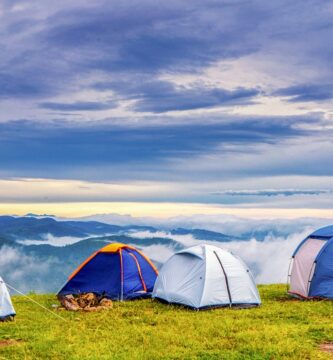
(18, 86)
(307, 92)
(78, 106)
(163, 96)
(50, 54)
(28, 149)
(269, 193)
(57, 51)
(150, 37)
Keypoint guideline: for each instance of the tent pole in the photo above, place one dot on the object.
(121, 276)
(289, 272)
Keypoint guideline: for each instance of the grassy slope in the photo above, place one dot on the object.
(281, 328)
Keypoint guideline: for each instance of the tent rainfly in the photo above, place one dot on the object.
(117, 271)
(6, 307)
(311, 269)
(206, 276)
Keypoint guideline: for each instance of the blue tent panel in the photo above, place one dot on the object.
(148, 272)
(132, 280)
(322, 280)
(325, 232)
(100, 275)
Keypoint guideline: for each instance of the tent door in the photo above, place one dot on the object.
(302, 269)
(225, 276)
(144, 287)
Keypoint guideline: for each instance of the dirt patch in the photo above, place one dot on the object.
(327, 347)
(8, 342)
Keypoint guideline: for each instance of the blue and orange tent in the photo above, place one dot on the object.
(116, 271)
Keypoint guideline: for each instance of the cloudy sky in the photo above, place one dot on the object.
(166, 108)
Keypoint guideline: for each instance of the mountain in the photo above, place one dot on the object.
(36, 228)
(39, 253)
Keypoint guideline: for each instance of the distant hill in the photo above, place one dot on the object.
(44, 251)
(35, 228)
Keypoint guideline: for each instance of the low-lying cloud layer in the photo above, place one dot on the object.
(268, 259)
(27, 272)
(52, 240)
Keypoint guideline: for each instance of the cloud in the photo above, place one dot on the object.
(267, 258)
(78, 106)
(227, 224)
(65, 48)
(307, 92)
(158, 253)
(28, 149)
(27, 273)
(163, 96)
(19, 86)
(185, 240)
(49, 239)
(50, 49)
(272, 192)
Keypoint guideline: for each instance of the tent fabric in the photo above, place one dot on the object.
(206, 276)
(303, 265)
(311, 273)
(117, 271)
(322, 280)
(326, 231)
(6, 306)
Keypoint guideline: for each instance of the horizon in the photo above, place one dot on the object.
(158, 210)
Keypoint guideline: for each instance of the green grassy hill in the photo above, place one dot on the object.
(282, 328)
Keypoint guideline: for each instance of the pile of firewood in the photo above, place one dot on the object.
(85, 302)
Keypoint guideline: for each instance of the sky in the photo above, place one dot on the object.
(166, 108)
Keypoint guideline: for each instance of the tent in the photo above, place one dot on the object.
(311, 269)
(116, 271)
(206, 276)
(6, 306)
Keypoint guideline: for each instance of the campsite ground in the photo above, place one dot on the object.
(282, 328)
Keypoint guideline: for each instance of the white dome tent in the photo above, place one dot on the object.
(205, 276)
(6, 307)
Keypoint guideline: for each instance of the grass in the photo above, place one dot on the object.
(282, 328)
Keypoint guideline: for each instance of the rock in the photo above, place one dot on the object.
(69, 302)
(107, 303)
(87, 300)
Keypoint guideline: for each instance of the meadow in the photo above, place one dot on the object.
(282, 328)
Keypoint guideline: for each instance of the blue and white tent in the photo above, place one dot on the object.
(311, 270)
(6, 306)
(205, 276)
